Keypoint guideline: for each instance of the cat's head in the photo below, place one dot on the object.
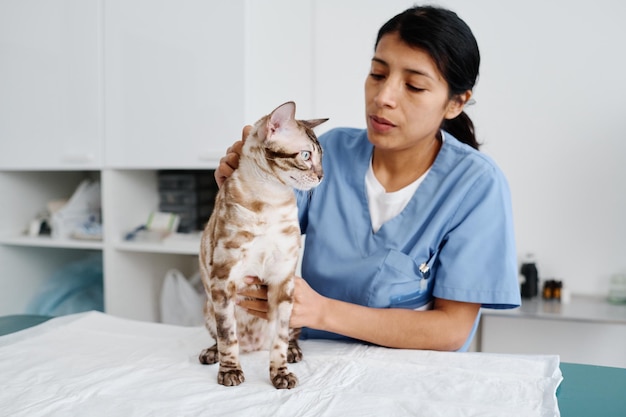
(291, 149)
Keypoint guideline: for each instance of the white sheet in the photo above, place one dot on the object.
(94, 364)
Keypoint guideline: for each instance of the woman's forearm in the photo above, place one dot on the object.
(445, 327)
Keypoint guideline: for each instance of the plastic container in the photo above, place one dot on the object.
(192, 218)
(185, 180)
(187, 197)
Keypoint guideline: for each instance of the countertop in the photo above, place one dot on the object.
(581, 308)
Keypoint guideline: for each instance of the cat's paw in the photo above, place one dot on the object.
(294, 353)
(230, 377)
(209, 356)
(284, 380)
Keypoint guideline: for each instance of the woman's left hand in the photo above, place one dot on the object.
(308, 306)
(307, 303)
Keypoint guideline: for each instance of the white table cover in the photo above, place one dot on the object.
(93, 364)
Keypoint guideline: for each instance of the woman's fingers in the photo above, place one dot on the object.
(259, 293)
(245, 132)
(254, 307)
(230, 162)
(253, 298)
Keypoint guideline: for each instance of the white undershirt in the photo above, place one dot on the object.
(385, 206)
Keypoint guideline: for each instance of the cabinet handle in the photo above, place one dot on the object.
(77, 157)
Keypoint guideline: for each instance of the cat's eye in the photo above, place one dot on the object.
(306, 155)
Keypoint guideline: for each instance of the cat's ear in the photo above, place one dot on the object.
(280, 116)
(313, 123)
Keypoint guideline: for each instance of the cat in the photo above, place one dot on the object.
(254, 231)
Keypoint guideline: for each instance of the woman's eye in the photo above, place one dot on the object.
(306, 155)
(376, 76)
(413, 88)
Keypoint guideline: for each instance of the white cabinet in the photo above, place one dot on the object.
(174, 87)
(587, 330)
(25, 262)
(113, 91)
(134, 271)
(50, 90)
(116, 90)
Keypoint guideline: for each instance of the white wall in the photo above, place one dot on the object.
(548, 110)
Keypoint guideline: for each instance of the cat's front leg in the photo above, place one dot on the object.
(280, 299)
(294, 352)
(226, 376)
(209, 356)
(230, 372)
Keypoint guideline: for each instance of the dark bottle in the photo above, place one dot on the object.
(531, 282)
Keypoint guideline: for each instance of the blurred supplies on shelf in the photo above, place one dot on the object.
(530, 281)
(552, 289)
(90, 230)
(182, 299)
(158, 226)
(163, 222)
(617, 289)
(190, 194)
(555, 290)
(39, 226)
(79, 217)
(75, 288)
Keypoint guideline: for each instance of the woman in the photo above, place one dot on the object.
(410, 232)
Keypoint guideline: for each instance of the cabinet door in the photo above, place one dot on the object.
(279, 52)
(174, 91)
(50, 110)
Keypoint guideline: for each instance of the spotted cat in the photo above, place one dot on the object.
(254, 231)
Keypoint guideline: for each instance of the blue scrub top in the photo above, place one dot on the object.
(454, 239)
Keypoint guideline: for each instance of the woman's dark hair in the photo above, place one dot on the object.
(451, 44)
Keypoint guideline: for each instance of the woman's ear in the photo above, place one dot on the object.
(457, 103)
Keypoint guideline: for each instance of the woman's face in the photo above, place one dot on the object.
(406, 97)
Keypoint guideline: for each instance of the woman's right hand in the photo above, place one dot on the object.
(230, 161)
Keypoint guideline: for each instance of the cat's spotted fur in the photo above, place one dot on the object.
(254, 231)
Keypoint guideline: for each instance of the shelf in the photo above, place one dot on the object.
(179, 244)
(49, 242)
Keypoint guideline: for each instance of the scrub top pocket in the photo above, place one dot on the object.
(401, 282)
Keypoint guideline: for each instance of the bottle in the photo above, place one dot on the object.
(531, 282)
(548, 289)
(558, 287)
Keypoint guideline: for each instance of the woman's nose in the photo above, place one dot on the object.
(387, 95)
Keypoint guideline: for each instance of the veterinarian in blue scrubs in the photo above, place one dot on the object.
(411, 231)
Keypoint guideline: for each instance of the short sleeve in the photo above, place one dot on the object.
(477, 260)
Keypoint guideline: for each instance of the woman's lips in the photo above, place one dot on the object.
(380, 124)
